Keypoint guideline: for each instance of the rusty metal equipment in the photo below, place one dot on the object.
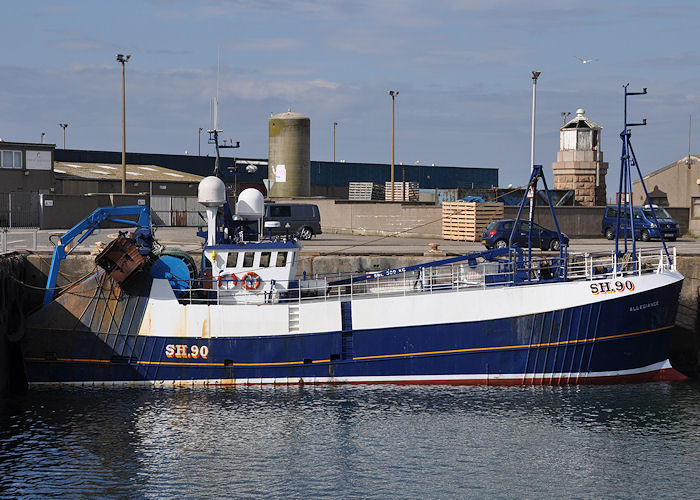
(121, 259)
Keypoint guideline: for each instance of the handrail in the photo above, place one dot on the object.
(456, 276)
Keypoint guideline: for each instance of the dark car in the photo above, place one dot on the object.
(301, 219)
(645, 228)
(497, 235)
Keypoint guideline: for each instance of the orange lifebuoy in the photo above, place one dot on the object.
(251, 281)
(233, 281)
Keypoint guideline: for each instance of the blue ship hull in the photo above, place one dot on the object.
(608, 341)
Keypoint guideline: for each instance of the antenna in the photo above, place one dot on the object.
(216, 100)
(216, 113)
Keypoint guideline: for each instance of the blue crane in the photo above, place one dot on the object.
(85, 228)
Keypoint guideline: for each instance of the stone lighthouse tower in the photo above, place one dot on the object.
(580, 164)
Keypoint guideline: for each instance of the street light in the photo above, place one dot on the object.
(393, 94)
(535, 75)
(63, 126)
(121, 58)
(199, 141)
(335, 124)
(42, 137)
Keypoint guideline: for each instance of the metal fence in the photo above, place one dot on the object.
(19, 210)
(23, 210)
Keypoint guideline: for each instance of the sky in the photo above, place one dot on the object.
(462, 69)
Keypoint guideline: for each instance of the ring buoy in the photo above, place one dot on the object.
(226, 281)
(251, 281)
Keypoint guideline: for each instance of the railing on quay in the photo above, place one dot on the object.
(4, 243)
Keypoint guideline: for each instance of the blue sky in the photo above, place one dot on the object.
(462, 69)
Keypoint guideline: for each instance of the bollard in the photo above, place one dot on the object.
(3, 243)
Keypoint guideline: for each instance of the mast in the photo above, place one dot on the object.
(628, 160)
(213, 132)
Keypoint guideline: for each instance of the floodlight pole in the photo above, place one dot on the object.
(335, 124)
(123, 59)
(393, 94)
(63, 126)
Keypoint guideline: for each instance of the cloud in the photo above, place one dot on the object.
(263, 44)
(75, 41)
(161, 105)
(680, 60)
(290, 90)
(213, 9)
(80, 44)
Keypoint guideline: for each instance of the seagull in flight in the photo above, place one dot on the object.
(585, 61)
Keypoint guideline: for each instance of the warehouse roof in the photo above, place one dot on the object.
(111, 171)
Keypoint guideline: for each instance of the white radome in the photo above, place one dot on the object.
(211, 192)
(251, 204)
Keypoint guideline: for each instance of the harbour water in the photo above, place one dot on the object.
(626, 441)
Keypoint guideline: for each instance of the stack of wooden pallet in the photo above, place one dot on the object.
(464, 221)
(365, 191)
(403, 191)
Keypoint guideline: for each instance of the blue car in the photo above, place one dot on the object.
(497, 234)
(644, 226)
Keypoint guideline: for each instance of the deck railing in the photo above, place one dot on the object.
(438, 279)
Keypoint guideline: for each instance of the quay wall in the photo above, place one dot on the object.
(13, 308)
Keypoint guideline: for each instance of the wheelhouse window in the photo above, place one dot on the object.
(248, 259)
(11, 159)
(232, 259)
(281, 259)
(265, 259)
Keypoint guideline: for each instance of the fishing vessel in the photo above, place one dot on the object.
(507, 316)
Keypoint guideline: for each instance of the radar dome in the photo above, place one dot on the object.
(211, 192)
(251, 204)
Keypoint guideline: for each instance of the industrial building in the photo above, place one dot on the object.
(675, 185)
(32, 171)
(327, 178)
(26, 167)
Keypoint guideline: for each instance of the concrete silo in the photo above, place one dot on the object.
(288, 164)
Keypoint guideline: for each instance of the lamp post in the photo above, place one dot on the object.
(63, 126)
(393, 94)
(335, 124)
(199, 142)
(535, 75)
(121, 58)
(42, 137)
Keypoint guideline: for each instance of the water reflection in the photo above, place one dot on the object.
(370, 441)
